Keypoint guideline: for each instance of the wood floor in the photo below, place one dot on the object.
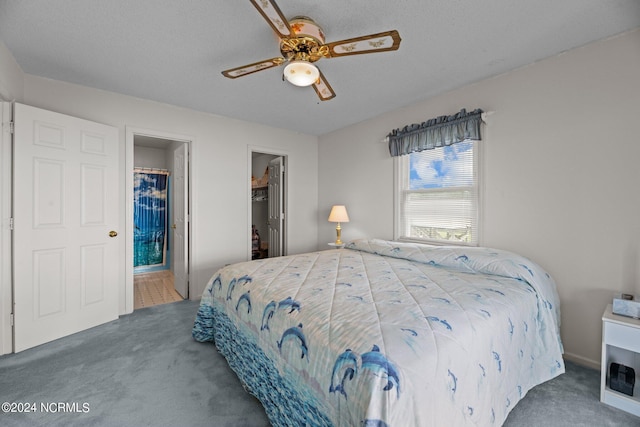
(153, 289)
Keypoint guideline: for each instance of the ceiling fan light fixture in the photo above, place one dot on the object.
(302, 43)
(301, 73)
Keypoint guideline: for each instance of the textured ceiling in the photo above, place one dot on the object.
(173, 51)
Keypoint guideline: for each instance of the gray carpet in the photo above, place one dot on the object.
(144, 369)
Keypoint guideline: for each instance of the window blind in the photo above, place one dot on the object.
(437, 195)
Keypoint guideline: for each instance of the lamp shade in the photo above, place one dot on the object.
(338, 214)
(301, 73)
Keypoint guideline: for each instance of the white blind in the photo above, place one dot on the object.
(437, 195)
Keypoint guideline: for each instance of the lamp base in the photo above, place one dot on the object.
(338, 230)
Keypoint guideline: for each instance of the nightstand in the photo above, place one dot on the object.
(620, 344)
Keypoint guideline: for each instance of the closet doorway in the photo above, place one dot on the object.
(268, 235)
(160, 220)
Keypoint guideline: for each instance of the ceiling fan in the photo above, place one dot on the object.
(302, 43)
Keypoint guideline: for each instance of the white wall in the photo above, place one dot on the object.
(560, 172)
(148, 157)
(11, 76)
(219, 167)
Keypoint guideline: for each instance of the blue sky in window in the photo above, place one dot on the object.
(449, 166)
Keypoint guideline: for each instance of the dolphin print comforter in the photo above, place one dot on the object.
(385, 333)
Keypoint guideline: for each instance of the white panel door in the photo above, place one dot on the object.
(66, 220)
(180, 223)
(276, 211)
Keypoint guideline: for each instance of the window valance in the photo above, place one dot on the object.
(437, 132)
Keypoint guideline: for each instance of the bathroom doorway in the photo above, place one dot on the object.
(160, 220)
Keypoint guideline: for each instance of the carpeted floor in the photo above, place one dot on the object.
(144, 369)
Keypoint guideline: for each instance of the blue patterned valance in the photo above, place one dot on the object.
(438, 132)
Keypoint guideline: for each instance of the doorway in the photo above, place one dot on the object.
(160, 229)
(268, 201)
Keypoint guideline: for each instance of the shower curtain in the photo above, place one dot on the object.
(149, 217)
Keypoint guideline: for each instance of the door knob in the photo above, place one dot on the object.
(113, 233)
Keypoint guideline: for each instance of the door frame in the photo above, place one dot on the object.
(285, 189)
(6, 209)
(126, 299)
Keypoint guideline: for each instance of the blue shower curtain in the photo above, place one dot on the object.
(149, 218)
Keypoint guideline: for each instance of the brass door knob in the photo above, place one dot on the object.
(113, 233)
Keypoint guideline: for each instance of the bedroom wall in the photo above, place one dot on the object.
(219, 166)
(560, 172)
(11, 76)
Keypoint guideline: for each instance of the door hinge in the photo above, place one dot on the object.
(10, 223)
(11, 319)
(11, 127)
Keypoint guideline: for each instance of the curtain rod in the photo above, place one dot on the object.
(152, 170)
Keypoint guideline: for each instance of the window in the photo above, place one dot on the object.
(436, 195)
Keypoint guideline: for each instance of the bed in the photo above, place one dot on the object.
(385, 333)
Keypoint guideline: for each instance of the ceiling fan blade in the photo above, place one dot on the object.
(380, 42)
(253, 68)
(323, 88)
(271, 12)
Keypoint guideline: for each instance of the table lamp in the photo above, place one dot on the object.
(338, 214)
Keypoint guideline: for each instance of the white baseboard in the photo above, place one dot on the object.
(594, 364)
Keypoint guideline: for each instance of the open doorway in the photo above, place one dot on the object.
(160, 220)
(268, 201)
